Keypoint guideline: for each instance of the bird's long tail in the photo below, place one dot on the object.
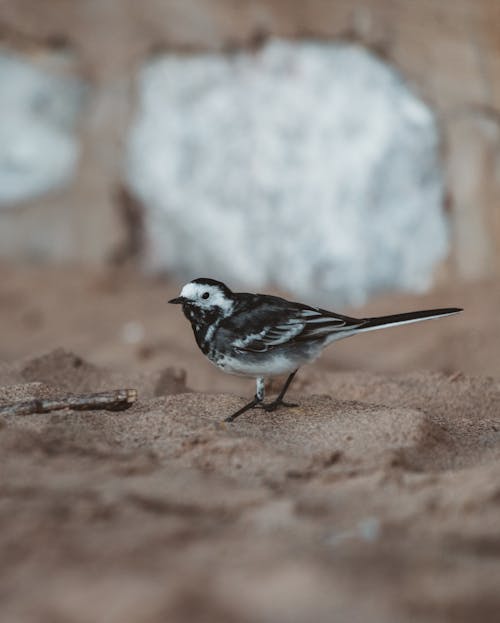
(371, 324)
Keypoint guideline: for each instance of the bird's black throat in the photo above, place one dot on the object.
(202, 320)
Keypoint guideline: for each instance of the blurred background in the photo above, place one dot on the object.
(343, 152)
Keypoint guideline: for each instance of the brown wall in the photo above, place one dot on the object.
(448, 50)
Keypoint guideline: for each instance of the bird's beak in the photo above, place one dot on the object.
(178, 301)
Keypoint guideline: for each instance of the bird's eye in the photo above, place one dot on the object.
(205, 295)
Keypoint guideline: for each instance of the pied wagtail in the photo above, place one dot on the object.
(257, 335)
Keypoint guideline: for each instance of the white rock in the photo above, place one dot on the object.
(310, 166)
(38, 147)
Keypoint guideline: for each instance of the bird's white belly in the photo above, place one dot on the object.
(270, 366)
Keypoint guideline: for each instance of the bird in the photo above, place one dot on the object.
(261, 336)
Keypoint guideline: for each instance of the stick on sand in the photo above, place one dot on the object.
(115, 400)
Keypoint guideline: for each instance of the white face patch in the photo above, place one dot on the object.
(197, 294)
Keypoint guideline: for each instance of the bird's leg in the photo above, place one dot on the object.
(259, 397)
(279, 402)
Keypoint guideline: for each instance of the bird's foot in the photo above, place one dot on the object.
(276, 404)
(256, 402)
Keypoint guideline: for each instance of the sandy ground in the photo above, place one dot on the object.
(376, 500)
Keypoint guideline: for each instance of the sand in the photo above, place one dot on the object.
(377, 499)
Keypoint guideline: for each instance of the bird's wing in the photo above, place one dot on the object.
(291, 325)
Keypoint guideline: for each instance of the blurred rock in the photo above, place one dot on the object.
(38, 111)
(311, 166)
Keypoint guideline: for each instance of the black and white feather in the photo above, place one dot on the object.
(258, 335)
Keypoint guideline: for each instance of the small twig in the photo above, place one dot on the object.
(116, 400)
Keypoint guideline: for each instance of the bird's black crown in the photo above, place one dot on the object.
(206, 281)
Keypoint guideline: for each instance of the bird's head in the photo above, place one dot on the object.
(205, 296)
